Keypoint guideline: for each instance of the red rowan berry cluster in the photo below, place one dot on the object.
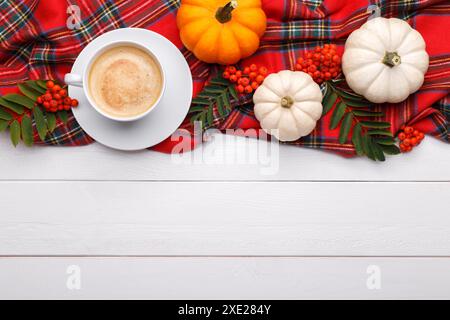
(409, 138)
(56, 98)
(322, 63)
(248, 79)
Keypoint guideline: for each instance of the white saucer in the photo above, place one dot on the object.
(160, 123)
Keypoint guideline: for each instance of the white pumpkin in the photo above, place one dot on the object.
(385, 60)
(288, 105)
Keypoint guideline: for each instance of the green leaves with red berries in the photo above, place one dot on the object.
(19, 112)
(217, 95)
(370, 136)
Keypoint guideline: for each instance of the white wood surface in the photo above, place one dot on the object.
(220, 159)
(225, 218)
(225, 278)
(203, 214)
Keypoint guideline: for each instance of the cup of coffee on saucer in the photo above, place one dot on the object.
(123, 81)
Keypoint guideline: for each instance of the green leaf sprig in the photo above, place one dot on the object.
(19, 111)
(370, 137)
(218, 93)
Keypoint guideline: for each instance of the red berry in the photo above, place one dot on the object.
(53, 103)
(57, 96)
(253, 67)
(66, 107)
(409, 130)
(259, 79)
(414, 141)
(226, 75)
(263, 71)
(238, 74)
(233, 78)
(74, 103)
(63, 93)
(240, 88)
(255, 85)
(56, 88)
(421, 136)
(50, 84)
(47, 97)
(39, 100)
(416, 133)
(248, 89)
(46, 104)
(406, 142)
(402, 136)
(232, 69)
(245, 81)
(67, 100)
(247, 70)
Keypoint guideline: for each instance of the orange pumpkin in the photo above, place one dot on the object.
(221, 31)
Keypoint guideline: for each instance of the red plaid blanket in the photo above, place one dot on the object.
(35, 43)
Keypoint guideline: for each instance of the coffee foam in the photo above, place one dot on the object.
(125, 81)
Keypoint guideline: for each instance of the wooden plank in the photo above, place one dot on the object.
(224, 278)
(225, 218)
(223, 158)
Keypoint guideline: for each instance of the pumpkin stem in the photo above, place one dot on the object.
(223, 14)
(392, 59)
(287, 102)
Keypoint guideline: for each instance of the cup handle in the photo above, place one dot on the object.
(73, 79)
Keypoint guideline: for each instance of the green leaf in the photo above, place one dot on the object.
(220, 105)
(377, 151)
(338, 113)
(42, 84)
(17, 108)
(357, 104)
(364, 113)
(375, 125)
(14, 132)
(202, 101)
(35, 86)
(384, 140)
(357, 140)
(328, 100)
(41, 126)
(63, 116)
(226, 101)
(203, 119)
(195, 109)
(28, 92)
(195, 117)
(380, 132)
(367, 147)
(51, 121)
(220, 81)
(391, 150)
(351, 96)
(4, 115)
(210, 116)
(345, 128)
(21, 100)
(3, 125)
(213, 89)
(27, 131)
(233, 92)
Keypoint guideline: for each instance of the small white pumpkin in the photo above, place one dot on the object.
(288, 105)
(385, 60)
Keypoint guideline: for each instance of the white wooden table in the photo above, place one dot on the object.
(146, 225)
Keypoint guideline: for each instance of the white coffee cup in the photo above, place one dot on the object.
(82, 80)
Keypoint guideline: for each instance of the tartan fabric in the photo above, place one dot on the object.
(35, 43)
